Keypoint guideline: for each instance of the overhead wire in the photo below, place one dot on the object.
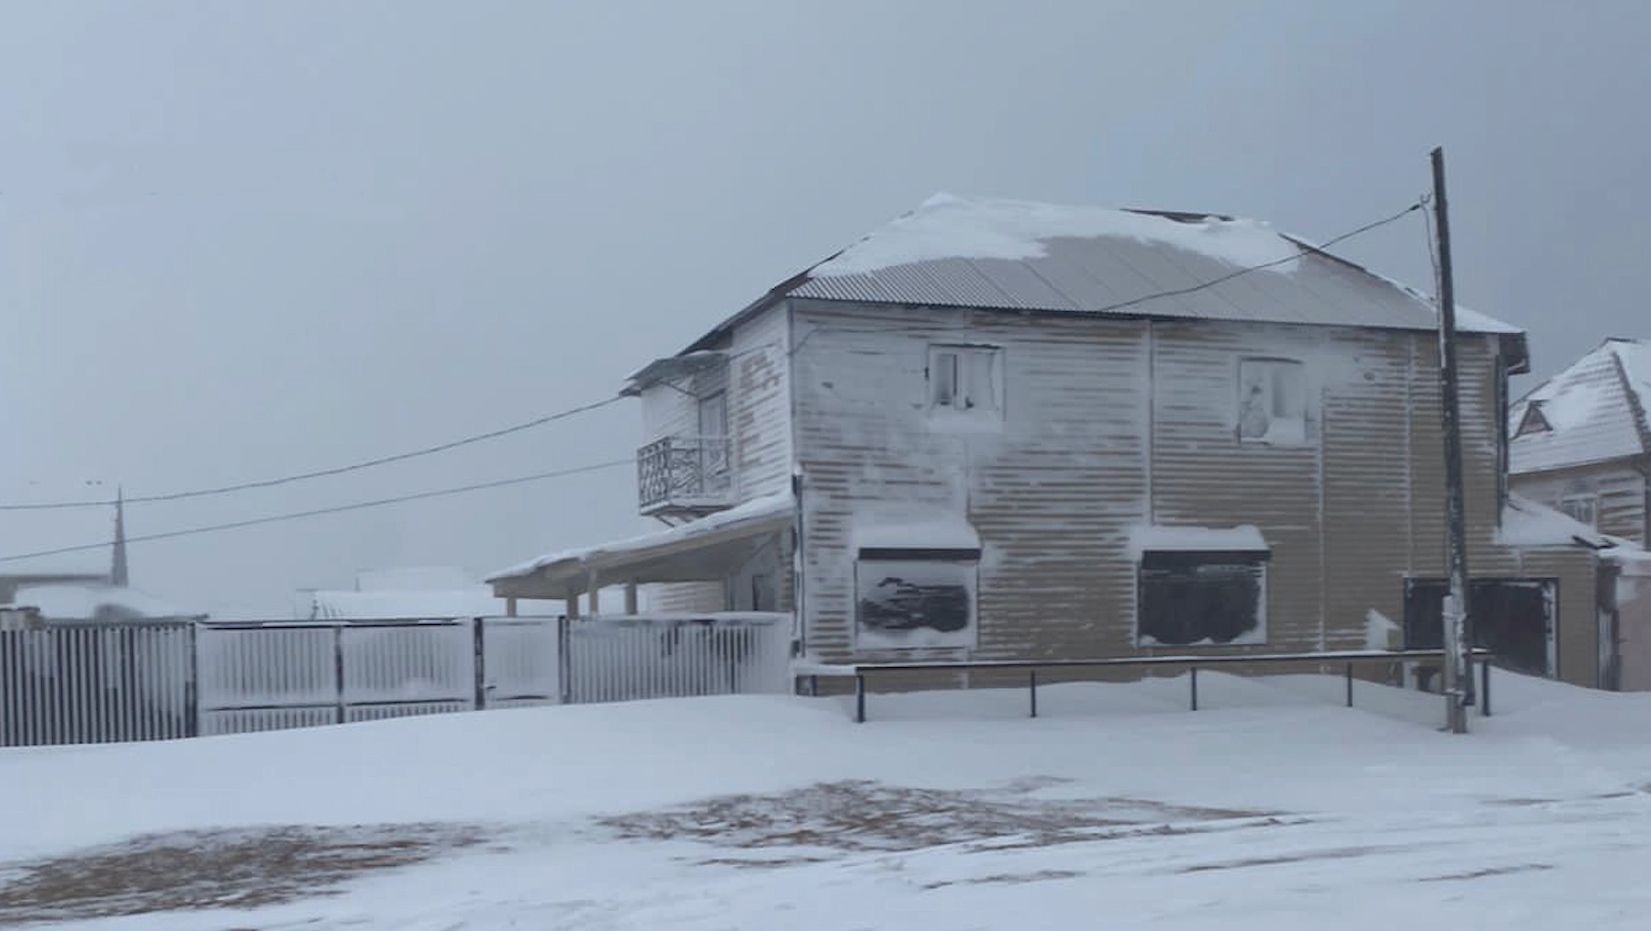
(317, 512)
(319, 473)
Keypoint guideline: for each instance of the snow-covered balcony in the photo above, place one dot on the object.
(684, 475)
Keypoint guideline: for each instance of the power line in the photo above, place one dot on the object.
(317, 512)
(323, 473)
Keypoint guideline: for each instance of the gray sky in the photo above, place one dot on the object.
(239, 240)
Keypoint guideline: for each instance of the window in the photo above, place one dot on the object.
(966, 379)
(1583, 508)
(1534, 421)
(915, 598)
(1202, 597)
(1272, 401)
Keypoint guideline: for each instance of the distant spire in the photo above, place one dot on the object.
(117, 572)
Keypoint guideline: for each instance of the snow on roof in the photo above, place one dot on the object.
(1529, 523)
(1160, 538)
(756, 511)
(87, 602)
(1596, 408)
(383, 604)
(950, 227)
(1013, 254)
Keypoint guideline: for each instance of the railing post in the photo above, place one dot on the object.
(192, 698)
(1350, 684)
(478, 646)
(1194, 678)
(338, 671)
(859, 698)
(1484, 686)
(1032, 687)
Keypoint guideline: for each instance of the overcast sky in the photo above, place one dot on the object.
(239, 240)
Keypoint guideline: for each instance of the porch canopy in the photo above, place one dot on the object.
(710, 548)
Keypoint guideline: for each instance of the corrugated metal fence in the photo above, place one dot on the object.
(150, 682)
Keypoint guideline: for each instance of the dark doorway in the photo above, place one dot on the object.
(1512, 618)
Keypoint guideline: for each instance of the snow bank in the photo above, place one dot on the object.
(947, 226)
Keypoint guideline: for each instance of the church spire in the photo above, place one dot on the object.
(117, 571)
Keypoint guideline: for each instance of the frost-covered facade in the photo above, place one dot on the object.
(1004, 430)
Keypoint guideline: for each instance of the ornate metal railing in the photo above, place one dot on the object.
(690, 472)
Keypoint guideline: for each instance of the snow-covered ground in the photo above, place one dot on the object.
(1272, 807)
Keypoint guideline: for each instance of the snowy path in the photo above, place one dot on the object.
(1272, 806)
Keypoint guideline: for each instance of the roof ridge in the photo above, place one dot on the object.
(1633, 395)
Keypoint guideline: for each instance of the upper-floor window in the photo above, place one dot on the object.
(1272, 401)
(1534, 421)
(966, 379)
(1583, 508)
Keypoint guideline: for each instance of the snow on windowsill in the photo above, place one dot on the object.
(1159, 538)
(1255, 638)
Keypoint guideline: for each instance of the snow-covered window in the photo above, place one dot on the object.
(1202, 597)
(1582, 507)
(916, 598)
(966, 379)
(1272, 401)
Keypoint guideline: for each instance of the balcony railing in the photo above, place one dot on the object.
(684, 473)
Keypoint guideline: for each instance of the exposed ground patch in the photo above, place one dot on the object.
(858, 816)
(213, 869)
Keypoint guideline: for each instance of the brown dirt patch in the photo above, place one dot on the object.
(855, 816)
(213, 869)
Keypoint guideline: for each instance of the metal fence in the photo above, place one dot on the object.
(96, 684)
(148, 682)
(626, 659)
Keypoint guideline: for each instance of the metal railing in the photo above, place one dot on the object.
(1345, 658)
(692, 472)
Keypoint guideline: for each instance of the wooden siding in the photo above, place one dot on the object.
(1621, 486)
(1054, 490)
(756, 381)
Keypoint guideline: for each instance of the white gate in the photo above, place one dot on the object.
(622, 659)
(93, 684)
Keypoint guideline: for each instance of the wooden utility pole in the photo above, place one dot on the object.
(1457, 633)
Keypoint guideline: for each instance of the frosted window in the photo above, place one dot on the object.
(1272, 401)
(966, 379)
(1581, 508)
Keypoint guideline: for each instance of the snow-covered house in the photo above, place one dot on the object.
(1002, 430)
(1581, 441)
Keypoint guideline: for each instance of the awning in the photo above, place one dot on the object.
(702, 550)
(1161, 538)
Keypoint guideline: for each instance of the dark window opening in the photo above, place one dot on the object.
(1512, 618)
(1534, 421)
(914, 603)
(1191, 598)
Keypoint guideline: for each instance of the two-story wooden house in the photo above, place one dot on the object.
(997, 429)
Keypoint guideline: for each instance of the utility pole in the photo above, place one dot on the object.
(1457, 632)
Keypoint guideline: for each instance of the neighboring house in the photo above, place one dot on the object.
(1000, 430)
(398, 594)
(1582, 440)
(94, 603)
(67, 531)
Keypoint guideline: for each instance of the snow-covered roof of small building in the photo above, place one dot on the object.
(1530, 523)
(1022, 255)
(1593, 411)
(94, 602)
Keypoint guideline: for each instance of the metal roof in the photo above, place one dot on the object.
(1595, 411)
(1018, 255)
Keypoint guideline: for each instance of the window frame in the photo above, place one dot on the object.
(965, 558)
(964, 358)
(1307, 422)
(1258, 635)
(1592, 500)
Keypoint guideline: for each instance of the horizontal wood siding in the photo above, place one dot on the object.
(1052, 492)
(759, 404)
(1620, 485)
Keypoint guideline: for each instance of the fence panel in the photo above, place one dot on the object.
(422, 662)
(627, 659)
(521, 661)
(266, 678)
(95, 684)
